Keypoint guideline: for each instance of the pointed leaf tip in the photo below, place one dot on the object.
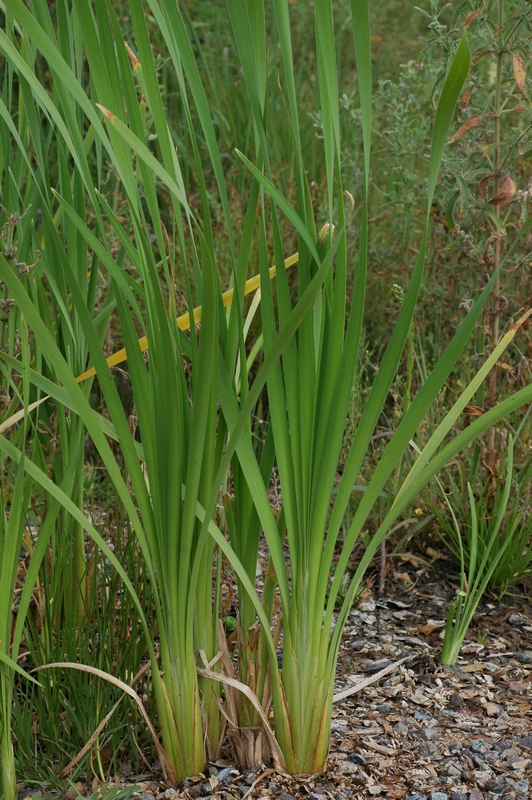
(109, 114)
(132, 57)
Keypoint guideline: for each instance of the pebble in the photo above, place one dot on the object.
(480, 746)
(425, 750)
(458, 796)
(454, 771)
(482, 777)
(504, 744)
(347, 768)
(515, 619)
(400, 727)
(521, 787)
(227, 774)
(356, 758)
(420, 713)
(456, 700)
(476, 794)
(525, 656)
(431, 733)
(438, 796)
(510, 753)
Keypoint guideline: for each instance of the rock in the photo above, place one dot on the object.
(356, 758)
(367, 604)
(521, 787)
(504, 744)
(480, 746)
(525, 656)
(347, 768)
(227, 774)
(400, 727)
(515, 619)
(476, 794)
(425, 750)
(482, 777)
(453, 771)
(456, 700)
(510, 753)
(438, 796)
(431, 733)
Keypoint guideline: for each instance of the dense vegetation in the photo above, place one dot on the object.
(371, 391)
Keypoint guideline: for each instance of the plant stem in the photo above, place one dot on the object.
(8, 781)
(493, 314)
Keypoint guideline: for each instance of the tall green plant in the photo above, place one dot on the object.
(175, 391)
(177, 445)
(11, 532)
(311, 334)
(50, 127)
(308, 390)
(14, 599)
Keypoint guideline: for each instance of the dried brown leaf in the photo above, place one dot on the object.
(471, 410)
(474, 14)
(484, 183)
(467, 126)
(505, 194)
(503, 365)
(466, 97)
(426, 630)
(519, 74)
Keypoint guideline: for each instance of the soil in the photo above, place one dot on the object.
(404, 726)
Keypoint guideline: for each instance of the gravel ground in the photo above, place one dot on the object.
(404, 727)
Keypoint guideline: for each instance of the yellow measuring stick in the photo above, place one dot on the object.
(183, 323)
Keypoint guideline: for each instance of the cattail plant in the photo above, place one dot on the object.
(194, 392)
